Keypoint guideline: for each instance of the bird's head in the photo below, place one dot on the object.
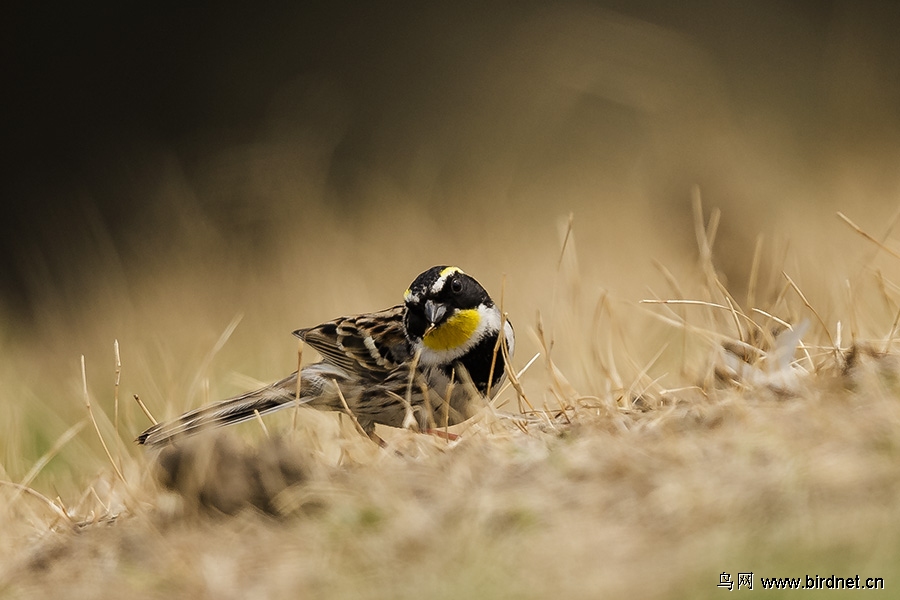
(447, 313)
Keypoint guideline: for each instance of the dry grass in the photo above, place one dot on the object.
(715, 391)
(669, 441)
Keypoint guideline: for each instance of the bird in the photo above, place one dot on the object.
(418, 364)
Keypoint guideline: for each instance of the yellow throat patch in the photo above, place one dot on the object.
(454, 332)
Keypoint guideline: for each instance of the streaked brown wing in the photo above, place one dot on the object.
(370, 345)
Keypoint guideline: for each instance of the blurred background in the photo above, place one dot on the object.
(167, 170)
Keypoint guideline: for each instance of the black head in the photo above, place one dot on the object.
(439, 294)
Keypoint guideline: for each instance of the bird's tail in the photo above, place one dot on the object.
(234, 410)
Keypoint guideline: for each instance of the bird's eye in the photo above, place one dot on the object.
(456, 286)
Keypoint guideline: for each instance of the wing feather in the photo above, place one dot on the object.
(369, 345)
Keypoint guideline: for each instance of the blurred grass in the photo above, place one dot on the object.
(655, 460)
(648, 475)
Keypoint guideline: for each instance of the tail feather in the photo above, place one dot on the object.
(233, 410)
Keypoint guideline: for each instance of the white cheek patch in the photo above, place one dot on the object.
(510, 339)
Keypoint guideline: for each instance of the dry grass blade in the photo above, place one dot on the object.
(445, 406)
(629, 394)
(59, 512)
(704, 243)
(558, 389)
(262, 424)
(733, 310)
(852, 303)
(753, 279)
(708, 334)
(769, 315)
(889, 340)
(145, 410)
(513, 379)
(883, 286)
(87, 404)
(866, 235)
(736, 314)
(562, 251)
(61, 441)
(606, 364)
(409, 420)
(567, 237)
(787, 325)
(506, 385)
(705, 239)
(99, 500)
(669, 277)
(500, 338)
(814, 311)
(116, 388)
(712, 228)
(347, 409)
(200, 382)
(297, 388)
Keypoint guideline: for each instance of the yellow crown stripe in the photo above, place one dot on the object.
(449, 270)
(454, 332)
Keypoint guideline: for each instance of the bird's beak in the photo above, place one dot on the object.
(435, 314)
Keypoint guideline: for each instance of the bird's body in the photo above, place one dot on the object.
(418, 363)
